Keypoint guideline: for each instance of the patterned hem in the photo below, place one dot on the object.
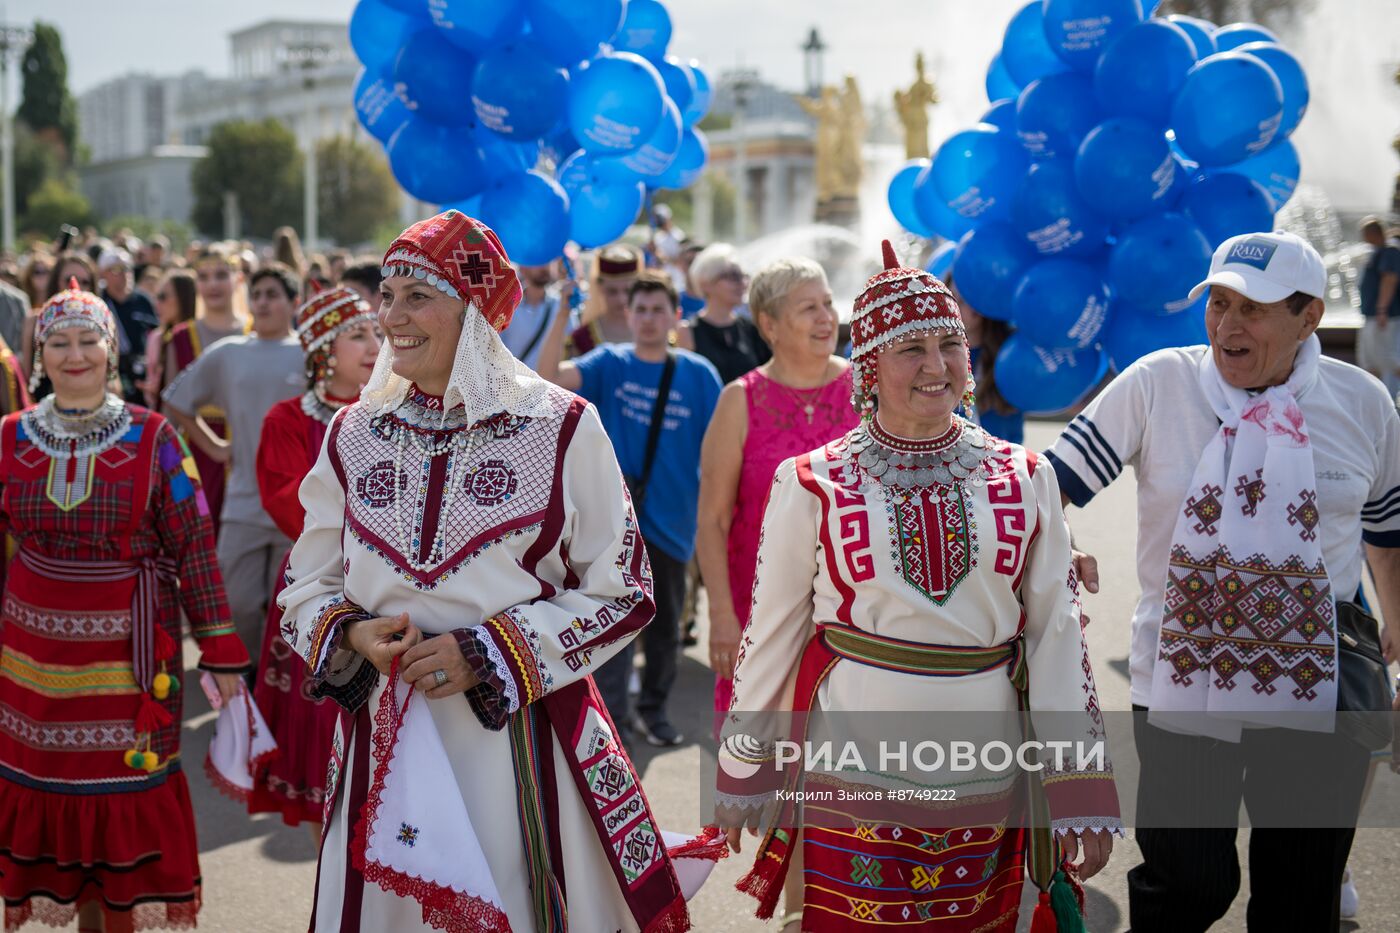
(1083, 824)
(499, 675)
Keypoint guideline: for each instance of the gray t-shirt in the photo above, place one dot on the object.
(245, 376)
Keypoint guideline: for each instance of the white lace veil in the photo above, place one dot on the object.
(486, 378)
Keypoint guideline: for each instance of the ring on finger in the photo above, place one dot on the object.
(440, 677)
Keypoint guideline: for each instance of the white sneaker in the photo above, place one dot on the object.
(1351, 901)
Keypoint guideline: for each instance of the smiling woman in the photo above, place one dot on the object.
(469, 557)
(891, 557)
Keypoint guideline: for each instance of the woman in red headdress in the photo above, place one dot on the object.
(114, 544)
(916, 564)
(340, 338)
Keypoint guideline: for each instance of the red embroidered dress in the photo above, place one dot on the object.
(293, 781)
(114, 543)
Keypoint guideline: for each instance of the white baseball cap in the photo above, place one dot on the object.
(1266, 267)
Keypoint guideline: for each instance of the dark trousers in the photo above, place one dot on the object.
(1189, 876)
(661, 645)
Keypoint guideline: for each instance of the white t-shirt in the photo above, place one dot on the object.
(1155, 418)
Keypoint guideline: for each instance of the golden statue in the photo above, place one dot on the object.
(840, 132)
(912, 108)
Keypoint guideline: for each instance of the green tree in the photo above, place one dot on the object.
(35, 162)
(52, 205)
(259, 163)
(179, 234)
(45, 102)
(356, 193)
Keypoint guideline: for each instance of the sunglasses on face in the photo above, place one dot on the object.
(732, 275)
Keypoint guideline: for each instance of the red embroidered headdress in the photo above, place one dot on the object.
(73, 307)
(898, 303)
(328, 315)
(462, 257)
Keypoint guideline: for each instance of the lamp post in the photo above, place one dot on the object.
(309, 56)
(13, 40)
(742, 82)
(812, 62)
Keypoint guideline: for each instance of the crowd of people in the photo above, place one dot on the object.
(365, 485)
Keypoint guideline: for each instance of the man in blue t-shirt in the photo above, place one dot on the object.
(1380, 307)
(623, 381)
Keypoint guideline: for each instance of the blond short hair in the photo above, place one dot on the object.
(776, 280)
(710, 261)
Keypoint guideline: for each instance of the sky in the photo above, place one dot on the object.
(1350, 49)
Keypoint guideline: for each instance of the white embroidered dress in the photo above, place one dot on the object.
(519, 529)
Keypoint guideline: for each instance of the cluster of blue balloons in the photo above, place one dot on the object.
(1119, 150)
(468, 95)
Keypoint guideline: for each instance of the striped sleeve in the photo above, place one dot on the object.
(1380, 516)
(1090, 452)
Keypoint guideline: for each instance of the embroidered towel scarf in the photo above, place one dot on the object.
(1249, 624)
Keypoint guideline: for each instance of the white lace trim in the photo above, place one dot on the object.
(502, 672)
(485, 378)
(1083, 824)
(744, 801)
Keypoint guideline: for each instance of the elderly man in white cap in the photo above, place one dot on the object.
(1265, 472)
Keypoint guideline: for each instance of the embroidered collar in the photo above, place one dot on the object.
(60, 437)
(956, 457)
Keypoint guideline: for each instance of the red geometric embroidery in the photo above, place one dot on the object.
(1304, 512)
(491, 483)
(379, 486)
(934, 541)
(474, 267)
(1252, 491)
(1205, 510)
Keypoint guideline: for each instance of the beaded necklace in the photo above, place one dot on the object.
(62, 434)
(322, 408)
(951, 459)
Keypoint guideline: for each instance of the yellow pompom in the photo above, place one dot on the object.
(130, 758)
(152, 761)
(160, 686)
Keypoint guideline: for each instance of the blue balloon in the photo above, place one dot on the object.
(934, 212)
(1054, 113)
(1199, 31)
(571, 30)
(1125, 168)
(1140, 73)
(646, 30)
(435, 78)
(600, 211)
(700, 103)
(1002, 115)
(1024, 52)
(437, 164)
(1224, 205)
(1157, 262)
(615, 102)
(378, 105)
(680, 85)
(470, 206)
(901, 198)
(999, 84)
(1229, 109)
(1237, 34)
(1276, 168)
(1079, 30)
(1291, 78)
(1053, 217)
(559, 142)
(502, 157)
(989, 265)
(478, 25)
(518, 92)
(977, 172)
(649, 161)
(1042, 382)
(1061, 304)
(1132, 333)
(942, 261)
(685, 170)
(412, 7)
(530, 213)
(377, 32)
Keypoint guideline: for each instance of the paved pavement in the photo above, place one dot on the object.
(259, 874)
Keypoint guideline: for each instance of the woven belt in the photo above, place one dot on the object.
(145, 600)
(893, 654)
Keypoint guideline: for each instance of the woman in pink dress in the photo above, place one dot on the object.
(797, 401)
